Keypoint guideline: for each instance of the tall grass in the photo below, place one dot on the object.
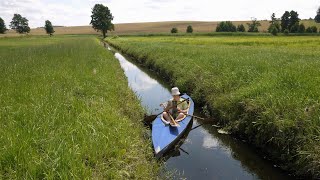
(265, 89)
(66, 112)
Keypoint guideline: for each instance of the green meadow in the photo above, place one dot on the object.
(66, 112)
(262, 88)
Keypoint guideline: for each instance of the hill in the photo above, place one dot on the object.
(151, 27)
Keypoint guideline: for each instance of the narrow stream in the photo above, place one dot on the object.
(204, 154)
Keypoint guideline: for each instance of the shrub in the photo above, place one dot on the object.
(226, 26)
(241, 28)
(274, 26)
(312, 29)
(286, 32)
(294, 28)
(174, 30)
(189, 29)
(253, 27)
(275, 31)
(302, 28)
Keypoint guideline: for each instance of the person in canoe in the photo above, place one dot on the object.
(175, 108)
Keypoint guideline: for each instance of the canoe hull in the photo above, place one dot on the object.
(164, 136)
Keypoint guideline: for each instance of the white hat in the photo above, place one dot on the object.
(175, 91)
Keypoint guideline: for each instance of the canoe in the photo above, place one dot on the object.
(164, 136)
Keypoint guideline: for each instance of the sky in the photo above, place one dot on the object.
(78, 12)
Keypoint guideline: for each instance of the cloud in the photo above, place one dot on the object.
(210, 143)
(73, 12)
(36, 11)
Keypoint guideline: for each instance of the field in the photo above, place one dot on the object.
(263, 89)
(66, 111)
(150, 27)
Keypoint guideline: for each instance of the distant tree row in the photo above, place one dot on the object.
(100, 19)
(189, 29)
(289, 23)
(228, 26)
(20, 25)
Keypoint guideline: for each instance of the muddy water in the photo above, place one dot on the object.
(204, 153)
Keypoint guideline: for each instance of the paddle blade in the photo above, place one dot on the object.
(149, 118)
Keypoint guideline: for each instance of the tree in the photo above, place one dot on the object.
(189, 29)
(174, 30)
(241, 28)
(294, 20)
(285, 21)
(274, 25)
(101, 19)
(20, 24)
(3, 27)
(254, 26)
(274, 31)
(309, 30)
(294, 28)
(226, 26)
(273, 18)
(48, 27)
(317, 18)
(302, 28)
(312, 29)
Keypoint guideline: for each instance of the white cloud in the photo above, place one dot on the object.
(74, 12)
(210, 143)
(137, 78)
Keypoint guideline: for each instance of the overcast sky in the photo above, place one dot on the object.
(77, 12)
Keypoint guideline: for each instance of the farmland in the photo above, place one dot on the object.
(66, 111)
(262, 89)
(150, 27)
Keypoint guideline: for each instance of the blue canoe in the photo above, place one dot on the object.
(164, 136)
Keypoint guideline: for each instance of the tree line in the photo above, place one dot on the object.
(21, 25)
(288, 23)
(188, 30)
(101, 20)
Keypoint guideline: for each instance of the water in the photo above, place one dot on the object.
(204, 153)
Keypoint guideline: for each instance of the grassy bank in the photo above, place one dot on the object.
(265, 89)
(66, 112)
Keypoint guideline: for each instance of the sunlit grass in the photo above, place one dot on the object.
(263, 88)
(66, 112)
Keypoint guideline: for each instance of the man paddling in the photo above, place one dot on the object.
(176, 108)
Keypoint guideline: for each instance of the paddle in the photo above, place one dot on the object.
(150, 118)
(195, 116)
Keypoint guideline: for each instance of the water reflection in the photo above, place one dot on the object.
(209, 142)
(148, 90)
(203, 154)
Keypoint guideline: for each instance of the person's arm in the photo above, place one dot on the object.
(168, 107)
(183, 111)
(184, 108)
